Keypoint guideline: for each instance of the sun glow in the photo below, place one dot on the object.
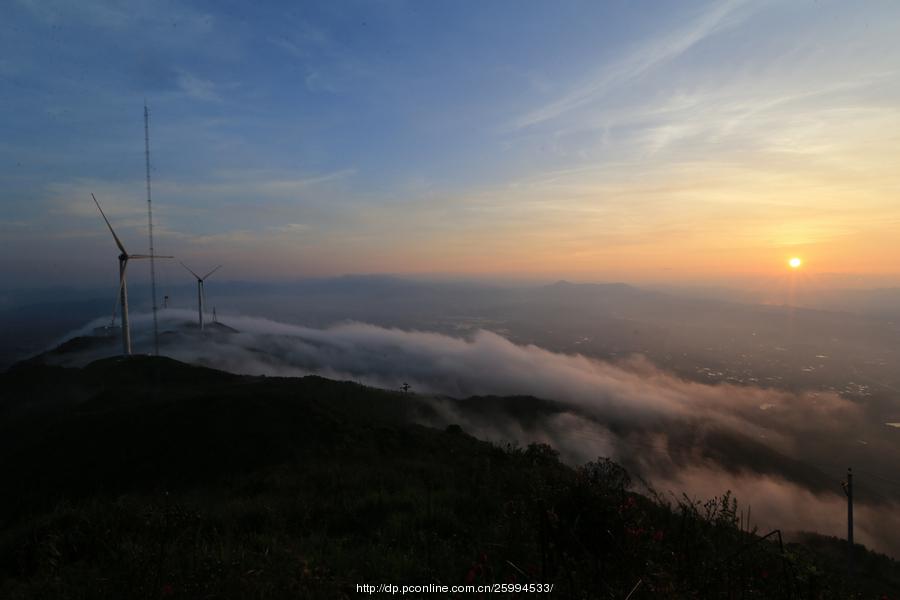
(795, 263)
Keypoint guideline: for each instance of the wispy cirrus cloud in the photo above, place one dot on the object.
(292, 228)
(641, 61)
(246, 208)
(197, 87)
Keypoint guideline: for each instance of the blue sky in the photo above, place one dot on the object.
(594, 140)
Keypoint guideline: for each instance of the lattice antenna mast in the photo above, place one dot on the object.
(150, 229)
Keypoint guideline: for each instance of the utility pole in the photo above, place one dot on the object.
(848, 490)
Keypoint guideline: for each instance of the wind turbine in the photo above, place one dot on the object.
(201, 295)
(124, 257)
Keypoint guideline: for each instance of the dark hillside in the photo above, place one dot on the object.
(149, 478)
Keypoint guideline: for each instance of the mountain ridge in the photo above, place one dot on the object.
(311, 485)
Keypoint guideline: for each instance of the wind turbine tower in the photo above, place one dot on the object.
(124, 257)
(201, 293)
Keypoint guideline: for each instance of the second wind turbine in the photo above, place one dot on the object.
(201, 294)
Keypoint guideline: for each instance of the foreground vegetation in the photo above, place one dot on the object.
(148, 478)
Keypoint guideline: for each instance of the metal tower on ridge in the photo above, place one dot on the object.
(150, 230)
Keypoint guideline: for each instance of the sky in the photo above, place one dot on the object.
(675, 141)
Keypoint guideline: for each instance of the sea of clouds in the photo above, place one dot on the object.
(778, 451)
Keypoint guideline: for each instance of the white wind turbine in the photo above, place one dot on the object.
(201, 294)
(124, 257)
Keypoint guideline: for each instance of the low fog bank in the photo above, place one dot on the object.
(700, 340)
(783, 453)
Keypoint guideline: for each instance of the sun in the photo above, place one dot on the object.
(795, 263)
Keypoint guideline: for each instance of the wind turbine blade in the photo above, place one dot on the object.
(115, 237)
(189, 269)
(148, 256)
(211, 272)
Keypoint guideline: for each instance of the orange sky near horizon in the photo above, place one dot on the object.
(707, 142)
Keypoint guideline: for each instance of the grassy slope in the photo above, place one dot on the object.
(148, 478)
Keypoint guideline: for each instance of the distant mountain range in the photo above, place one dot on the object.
(31, 321)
